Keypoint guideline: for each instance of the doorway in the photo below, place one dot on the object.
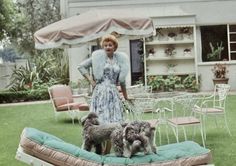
(136, 61)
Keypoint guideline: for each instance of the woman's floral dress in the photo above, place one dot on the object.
(106, 100)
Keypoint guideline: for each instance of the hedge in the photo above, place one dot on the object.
(21, 96)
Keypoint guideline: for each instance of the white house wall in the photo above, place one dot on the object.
(206, 76)
(76, 55)
(205, 12)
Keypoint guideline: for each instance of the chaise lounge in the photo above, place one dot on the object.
(40, 148)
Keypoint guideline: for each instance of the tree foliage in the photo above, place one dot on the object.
(33, 15)
(42, 72)
(7, 14)
(46, 67)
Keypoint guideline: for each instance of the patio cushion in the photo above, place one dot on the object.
(184, 120)
(73, 106)
(210, 110)
(54, 150)
(62, 95)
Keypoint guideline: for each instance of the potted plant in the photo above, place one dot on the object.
(172, 36)
(187, 52)
(170, 50)
(185, 32)
(215, 53)
(149, 39)
(159, 34)
(171, 68)
(151, 52)
(220, 73)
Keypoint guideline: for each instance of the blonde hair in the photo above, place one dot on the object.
(108, 38)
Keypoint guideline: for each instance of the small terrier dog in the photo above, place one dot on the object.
(137, 136)
(95, 134)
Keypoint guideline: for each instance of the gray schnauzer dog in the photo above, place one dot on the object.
(137, 136)
(95, 134)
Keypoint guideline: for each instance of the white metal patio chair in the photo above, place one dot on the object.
(182, 116)
(139, 91)
(214, 105)
(63, 102)
(156, 107)
(139, 96)
(136, 107)
(162, 107)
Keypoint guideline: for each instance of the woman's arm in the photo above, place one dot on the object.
(90, 80)
(84, 70)
(123, 90)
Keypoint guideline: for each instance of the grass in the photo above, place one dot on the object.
(40, 116)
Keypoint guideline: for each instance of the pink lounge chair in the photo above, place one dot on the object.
(63, 102)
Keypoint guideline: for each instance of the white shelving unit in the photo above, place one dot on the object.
(172, 46)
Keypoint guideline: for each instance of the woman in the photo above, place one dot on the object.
(109, 69)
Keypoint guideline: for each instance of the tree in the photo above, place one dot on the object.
(7, 13)
(32, 16)
(48, 66)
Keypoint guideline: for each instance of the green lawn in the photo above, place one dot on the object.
(14, 118)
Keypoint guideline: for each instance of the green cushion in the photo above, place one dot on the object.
(55, 143)
(165, 153)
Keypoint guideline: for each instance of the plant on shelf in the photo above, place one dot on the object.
(151, 52)
(159, 33)
(171, 68)
(149, 39)
(215, 53)
(170, 50)
(220, 73)
(185, 30)
(172, 34)
(187, 51)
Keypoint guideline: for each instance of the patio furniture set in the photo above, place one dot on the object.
(174, 110)
(178, 110)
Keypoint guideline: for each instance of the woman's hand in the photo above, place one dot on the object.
(90, 80)
(93, 83)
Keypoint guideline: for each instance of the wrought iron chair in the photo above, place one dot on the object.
(63, 102)
(139, 91)
(135, 108)
(182, 116)
(139, 103)
(162, 107)
(214, 105)
(156, 109)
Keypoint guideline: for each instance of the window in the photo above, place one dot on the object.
(232, 38)
(217, 36)
(136, 52)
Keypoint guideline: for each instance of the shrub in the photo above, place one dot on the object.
(19, 96)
